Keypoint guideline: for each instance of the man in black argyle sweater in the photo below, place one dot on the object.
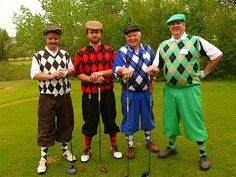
(51, 67)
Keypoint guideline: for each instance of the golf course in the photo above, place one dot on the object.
(180, 45)
(19, 153)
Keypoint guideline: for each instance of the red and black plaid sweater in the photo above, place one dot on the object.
(87, 61)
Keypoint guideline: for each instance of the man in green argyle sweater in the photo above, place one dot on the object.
(180, 59)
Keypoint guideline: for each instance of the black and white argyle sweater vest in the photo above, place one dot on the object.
(181, 62)
(48, 64)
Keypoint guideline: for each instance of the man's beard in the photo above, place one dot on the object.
(94, 41)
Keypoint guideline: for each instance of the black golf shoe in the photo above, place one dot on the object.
(204, 163)
(168, 152)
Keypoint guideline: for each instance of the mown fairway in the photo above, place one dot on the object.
(19, 153)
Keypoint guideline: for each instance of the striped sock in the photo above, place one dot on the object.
(44, 151)
(172, 142)
(113, 139)
(202, 148)
(87, 140)
(147, 136)
(64, 147)
(129, 139)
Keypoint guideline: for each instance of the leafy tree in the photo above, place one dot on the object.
(227, 39)
(64, 13)
(213, 20)
(12, 51)
(110, 14)
(4, 41)
(29, 31)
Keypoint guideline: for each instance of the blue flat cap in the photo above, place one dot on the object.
(176, 18)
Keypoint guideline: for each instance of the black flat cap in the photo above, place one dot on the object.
(131, 28)
(52, 29)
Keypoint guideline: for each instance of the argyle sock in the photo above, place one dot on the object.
(129, 139)
(113, 139)
(44, 151)
(172, 142)
(202, 148)
(147, 136)
(87, 140)
(64, 147)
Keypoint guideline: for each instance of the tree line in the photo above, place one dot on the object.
(214, 20)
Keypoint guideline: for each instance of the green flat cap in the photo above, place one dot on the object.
(176, 18)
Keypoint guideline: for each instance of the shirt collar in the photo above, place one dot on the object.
(141, 48)
(98, 48)
(181, 38)
(53, 53)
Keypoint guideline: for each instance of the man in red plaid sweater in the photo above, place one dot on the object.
(93, 66)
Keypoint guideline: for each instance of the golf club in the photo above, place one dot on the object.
(102, 169)
(127, 115)
(72, 169)
(147, 173)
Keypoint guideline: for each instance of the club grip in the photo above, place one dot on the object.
(99, 93)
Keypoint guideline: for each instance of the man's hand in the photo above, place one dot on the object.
(202, 74)
(97, 77)
(59, 73)
(152, 70)
(94, 76)
(126, 73)
(70, 72)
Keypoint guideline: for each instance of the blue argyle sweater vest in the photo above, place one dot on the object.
(137, 63)
(48, 64)
(181, 62)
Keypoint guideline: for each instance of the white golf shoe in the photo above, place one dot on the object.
(68, 156)
(116, 152)
(85, 156)
(42, 166)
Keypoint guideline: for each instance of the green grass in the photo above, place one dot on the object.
(15, 70)
(19, 153)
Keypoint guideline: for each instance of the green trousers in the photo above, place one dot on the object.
(184, 104)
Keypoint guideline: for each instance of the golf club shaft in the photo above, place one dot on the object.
(127, 116)
(150, 122)
(67, 116)
(99, 125)
(150, 126)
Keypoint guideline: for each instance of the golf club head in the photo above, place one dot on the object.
(71, 170)
(146, 174)
(103, 169)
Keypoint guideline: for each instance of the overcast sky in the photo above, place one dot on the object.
(8, 7)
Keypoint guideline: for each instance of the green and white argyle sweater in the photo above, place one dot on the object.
(181, 62)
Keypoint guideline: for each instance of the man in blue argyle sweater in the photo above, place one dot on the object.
(130, 67)
(180, 59)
